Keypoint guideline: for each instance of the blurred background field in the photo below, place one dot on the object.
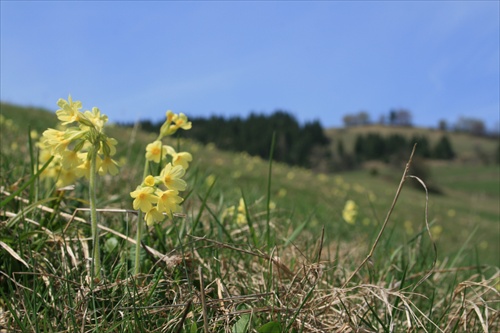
(464, 213)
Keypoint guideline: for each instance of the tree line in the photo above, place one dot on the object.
(305, 145)
(295, 144)
(403, 118)
(373, 146)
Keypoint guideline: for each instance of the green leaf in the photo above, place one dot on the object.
(194, 328)
(241, 326)
(296, 232)
(111, 244)
(270, 327)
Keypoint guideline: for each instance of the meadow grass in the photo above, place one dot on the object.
(259, 247)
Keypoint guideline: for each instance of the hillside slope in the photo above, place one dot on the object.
(468, 148)
(464, 217)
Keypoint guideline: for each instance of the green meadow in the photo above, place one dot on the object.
(257, 246)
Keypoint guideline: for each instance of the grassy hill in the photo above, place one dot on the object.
(294, 256)
(469, 203)
(469, 148)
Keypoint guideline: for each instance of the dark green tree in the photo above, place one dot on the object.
(443, 149)
(423, 146)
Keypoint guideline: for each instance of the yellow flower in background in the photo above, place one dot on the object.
(34, 134)
(182, 159)
(241, 206)
(168, 202)
(282, 192)
(436, 231)
(144, 198)
(229, 211)
(350, 212)
(322, 177)
(210, 180)
(241, 217)
(156, 151)
(240, 211)
(171, 177)
(409, 227)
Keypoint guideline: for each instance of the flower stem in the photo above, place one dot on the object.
(137, 263)
(96, 259)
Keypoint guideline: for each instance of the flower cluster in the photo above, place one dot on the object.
(240, 212)
(79, 134)
(350, 212)
(159, 195)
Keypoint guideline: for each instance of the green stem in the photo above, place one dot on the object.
(96, 259)
(138, 239)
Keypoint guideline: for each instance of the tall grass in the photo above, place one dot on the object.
(207, 271)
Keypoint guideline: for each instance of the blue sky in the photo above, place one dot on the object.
(318, 60)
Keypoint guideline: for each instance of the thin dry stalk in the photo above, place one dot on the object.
(398, 191)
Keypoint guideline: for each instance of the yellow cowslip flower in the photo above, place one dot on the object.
(182, 159)
(144, 198)
(156, 151)
(241, 206)
(436, 231)
(52, 138)
(210, 179)
(108, 147)
(96, 118)
(70, 159)
(83, 170)
(108, 165)
(149, 181)
(66, 177)
(241, 217)
(170, 116)
(168, 202)
(153, 216)
(34, 134)
(228, 212)
(171, 177)
(181, 121)
(167, 128)
(173, 123)
(69, 111)
(350, 212)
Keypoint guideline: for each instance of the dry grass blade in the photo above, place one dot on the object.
(428, 232)
(384, 225)
(203, 302)
(14, 254)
